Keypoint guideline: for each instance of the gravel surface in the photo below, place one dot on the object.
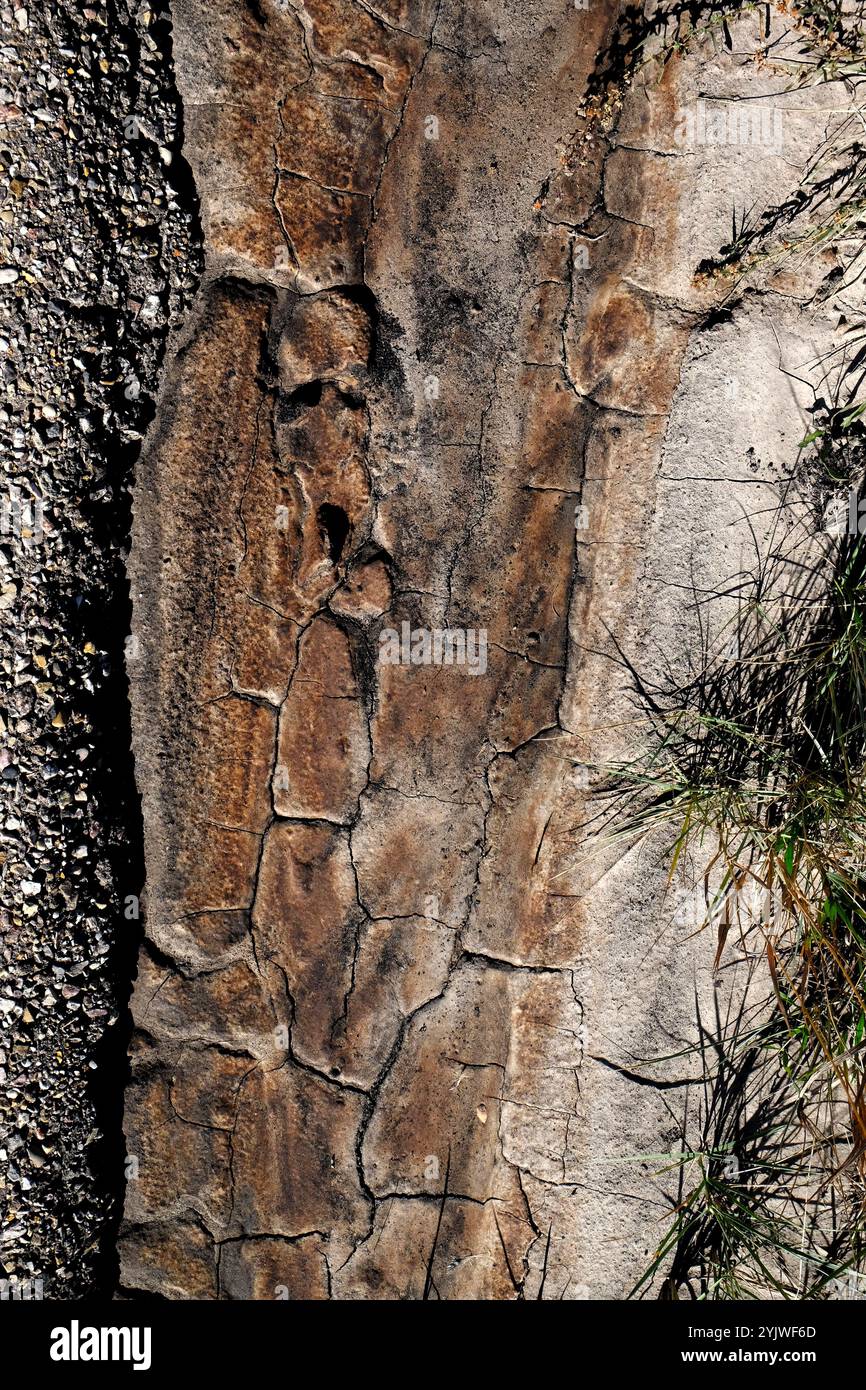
(99, 255)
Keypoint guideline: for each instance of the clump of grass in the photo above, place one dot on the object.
(755, 775)
(827, 209)
(753, 1215)
(834, 34)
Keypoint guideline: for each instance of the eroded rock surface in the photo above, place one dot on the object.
(450, 368)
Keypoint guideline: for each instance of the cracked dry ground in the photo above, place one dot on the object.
(378, 977)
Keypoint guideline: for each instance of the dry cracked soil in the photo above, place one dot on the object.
(387, 318)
